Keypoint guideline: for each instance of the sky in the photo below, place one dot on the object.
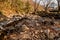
(53, 3)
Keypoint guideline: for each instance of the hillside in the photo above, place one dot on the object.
(20, 21)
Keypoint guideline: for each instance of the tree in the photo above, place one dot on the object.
(36, 5)
(46, 4)
(58, 4)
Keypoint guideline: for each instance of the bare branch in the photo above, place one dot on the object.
(47, 6)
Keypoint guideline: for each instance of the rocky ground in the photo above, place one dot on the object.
(30, 27)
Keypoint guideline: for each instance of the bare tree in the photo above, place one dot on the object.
(36, 6)
(46, 6)
(58, 4)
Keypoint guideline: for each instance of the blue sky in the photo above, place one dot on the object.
(53, 3)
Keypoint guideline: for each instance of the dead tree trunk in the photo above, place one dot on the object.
(35, 6)
(58, 6)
